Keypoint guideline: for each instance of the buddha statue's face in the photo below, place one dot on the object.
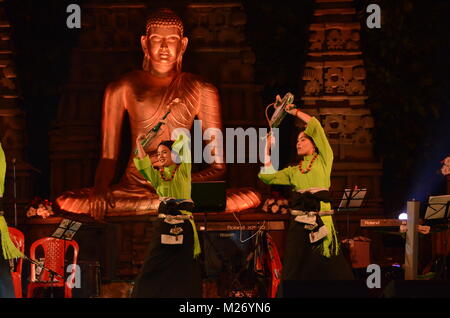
(163, 47)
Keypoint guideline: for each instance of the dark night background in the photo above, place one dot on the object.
(407, 64)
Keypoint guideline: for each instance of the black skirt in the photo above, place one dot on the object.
(169, 271)
(302, 262)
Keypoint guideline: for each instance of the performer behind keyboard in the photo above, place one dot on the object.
(171, 268)
(312, 248)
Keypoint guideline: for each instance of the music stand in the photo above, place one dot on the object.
(437, 215)
(351, 201)
(66, 231)
(438, 209)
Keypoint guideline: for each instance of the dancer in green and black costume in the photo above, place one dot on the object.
(170, 269)
(312, 251)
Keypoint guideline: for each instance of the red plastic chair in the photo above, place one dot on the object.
(18, 239)
(54, 260)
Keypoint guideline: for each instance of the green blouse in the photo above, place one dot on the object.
(180, 186)
(2, 171)
(317, 177)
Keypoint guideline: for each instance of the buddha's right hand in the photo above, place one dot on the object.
(99, 200)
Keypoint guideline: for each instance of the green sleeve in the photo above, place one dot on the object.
(269, 175)
(2, 171)
(144, 166)
(316, 132)
(181, 147)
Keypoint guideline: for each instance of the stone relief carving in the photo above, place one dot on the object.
(336, 39)
(216, 25)
(111, 29)
(317, 38)
(354, 87)
(353, 42)
(334, 80)
(349, 132)
(314, 84)
(202, 35)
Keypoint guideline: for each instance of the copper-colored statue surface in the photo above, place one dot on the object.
(145, 95)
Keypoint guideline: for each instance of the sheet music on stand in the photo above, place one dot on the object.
(352, 199)
(438, 208)
(66, 229)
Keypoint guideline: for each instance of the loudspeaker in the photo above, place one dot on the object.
(417, 289)
(324, 289)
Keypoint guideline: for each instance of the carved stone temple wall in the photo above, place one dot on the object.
(334, 91)
(12, 126)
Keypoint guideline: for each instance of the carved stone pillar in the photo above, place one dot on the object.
(334, 92)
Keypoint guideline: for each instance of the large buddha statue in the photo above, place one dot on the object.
(146, 95)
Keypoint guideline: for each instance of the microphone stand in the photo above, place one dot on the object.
(15, 192)
(52, 273)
